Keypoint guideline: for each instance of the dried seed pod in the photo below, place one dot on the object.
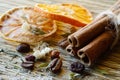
(55, 65)
(28, 65)
(55, 54)
(77, 67)
(30, 57)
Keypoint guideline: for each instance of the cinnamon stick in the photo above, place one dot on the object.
(72, 50)
(83, 36)
(69, 49)
(63, 43)
(90, 53)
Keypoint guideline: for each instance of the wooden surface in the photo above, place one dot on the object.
(95, 6)
(106, 69)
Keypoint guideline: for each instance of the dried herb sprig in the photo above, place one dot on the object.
(43, 65)
(74, 76)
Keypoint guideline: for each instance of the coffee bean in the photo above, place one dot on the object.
(23, 48)
(55, 65)
(30, 57)
(77, 67)
(55, 54)
(28, 65)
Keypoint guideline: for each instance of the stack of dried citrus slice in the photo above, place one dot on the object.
(43, 22)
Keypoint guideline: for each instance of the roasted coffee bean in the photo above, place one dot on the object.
(55, 54)
(77, 67)
(55, 65)
(23, 48)
(30, 57)
(28, 65)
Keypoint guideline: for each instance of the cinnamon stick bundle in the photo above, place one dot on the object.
(83, 36)
(93, 40)
(90, 53)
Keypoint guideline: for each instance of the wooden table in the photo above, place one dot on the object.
(108, 69)
(96, 6)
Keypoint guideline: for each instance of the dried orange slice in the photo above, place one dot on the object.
(68, 13)
(24, 25)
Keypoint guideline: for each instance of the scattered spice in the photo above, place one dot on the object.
(41, 54)
(23, 48)
(43, 65)
(55, 65)
(75, 76)
(72, 75)
(16, 67)
(37, 31)
(55, 54)
(77, 67)
(30, 57)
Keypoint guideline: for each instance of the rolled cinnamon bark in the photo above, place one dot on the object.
(64, 43)
(69, 49)
(72, 50)
(90, 53)
(72, 40)
(83, 36)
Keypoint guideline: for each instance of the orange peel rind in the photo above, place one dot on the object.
(68, 13)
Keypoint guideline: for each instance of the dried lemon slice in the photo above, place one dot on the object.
(69, 13)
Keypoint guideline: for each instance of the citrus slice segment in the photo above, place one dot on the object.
(68, 13)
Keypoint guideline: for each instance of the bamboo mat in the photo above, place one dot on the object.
(108, 68)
